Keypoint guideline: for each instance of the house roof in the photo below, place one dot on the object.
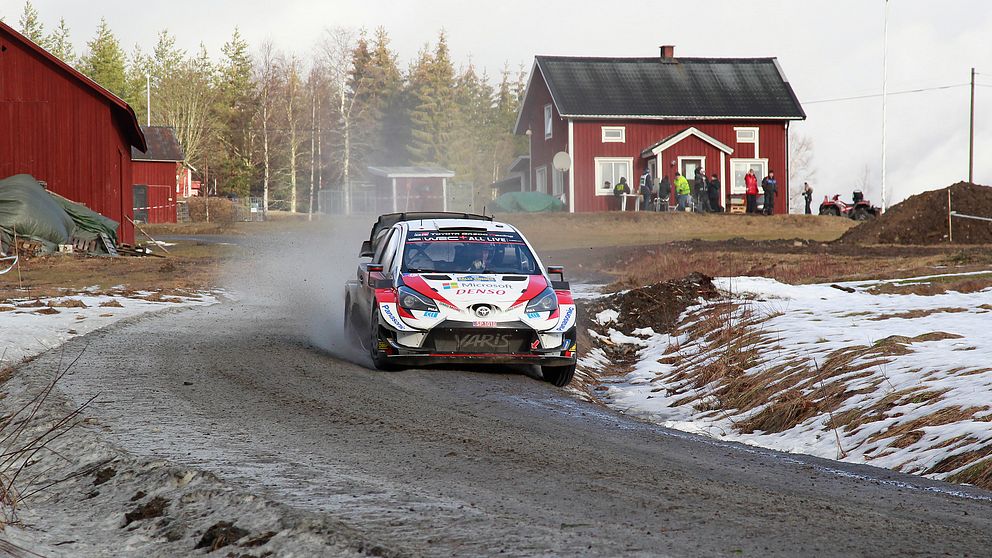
(162, 145)
(520, 164)
(670, 88)
(412, 172)
(121, 109)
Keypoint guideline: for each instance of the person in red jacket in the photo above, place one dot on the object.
(751, 191)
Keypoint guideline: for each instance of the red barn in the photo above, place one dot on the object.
(160, 177)
(618, 116)
(64, 129)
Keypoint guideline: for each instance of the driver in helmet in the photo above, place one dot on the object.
(477, 257)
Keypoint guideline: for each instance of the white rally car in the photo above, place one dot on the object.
(459, 288)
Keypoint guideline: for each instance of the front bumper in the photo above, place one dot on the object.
(465, 344)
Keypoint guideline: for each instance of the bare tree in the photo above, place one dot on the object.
(289, 82)
(801, 168)
(265, 80)
(314, 88)
(338, 47)
(185, 100)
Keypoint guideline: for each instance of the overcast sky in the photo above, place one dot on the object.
(828, 49)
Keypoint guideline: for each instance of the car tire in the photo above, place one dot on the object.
(559, 376)
(379, 361)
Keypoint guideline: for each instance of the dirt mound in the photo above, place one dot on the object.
(656, 306)
(922, 219)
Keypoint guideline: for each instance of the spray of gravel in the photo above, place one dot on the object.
(299, 268)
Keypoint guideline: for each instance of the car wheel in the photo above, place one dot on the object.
(860, 214)
(350, 324)
(379, 360)
(559, 376)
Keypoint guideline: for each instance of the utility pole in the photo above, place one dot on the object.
(885, 41)
(148, 98)
(971, 132)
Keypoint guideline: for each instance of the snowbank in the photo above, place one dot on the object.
(900, 381)
(29, 327)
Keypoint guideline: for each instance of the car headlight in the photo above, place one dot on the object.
(412, 300)
(547, 301)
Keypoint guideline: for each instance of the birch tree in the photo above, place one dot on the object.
(265, 81)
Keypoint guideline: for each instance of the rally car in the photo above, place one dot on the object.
(459, 288)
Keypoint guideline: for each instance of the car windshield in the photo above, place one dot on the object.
(467, 252)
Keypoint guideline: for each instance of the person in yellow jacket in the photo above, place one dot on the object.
(681, 191)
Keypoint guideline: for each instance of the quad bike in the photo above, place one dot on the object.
(859, 210)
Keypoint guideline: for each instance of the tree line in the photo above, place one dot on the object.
(264, 122)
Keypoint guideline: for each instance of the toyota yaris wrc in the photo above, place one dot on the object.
(459, 288)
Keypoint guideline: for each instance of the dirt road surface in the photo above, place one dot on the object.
(451, 462)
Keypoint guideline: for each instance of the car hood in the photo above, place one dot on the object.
(461, 290)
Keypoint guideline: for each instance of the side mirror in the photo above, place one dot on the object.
(561, 284)
(366, 250)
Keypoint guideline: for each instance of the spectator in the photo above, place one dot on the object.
(808, 195)
(664, 192)
(769, 185)
(681, 191)
(751, 191)
(713, 190)
(621, 189)
(647, 188)
(700, 195)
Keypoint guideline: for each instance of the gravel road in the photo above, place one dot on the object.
(449, 462)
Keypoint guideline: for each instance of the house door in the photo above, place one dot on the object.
(689, 166)
(140, 202)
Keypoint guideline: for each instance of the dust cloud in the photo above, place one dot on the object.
(298, 269)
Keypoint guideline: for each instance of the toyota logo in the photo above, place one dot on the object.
(483, 311)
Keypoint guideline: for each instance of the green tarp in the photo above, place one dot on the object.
(528, 202)
(36, 214)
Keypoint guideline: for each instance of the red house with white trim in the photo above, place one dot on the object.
(617, 116)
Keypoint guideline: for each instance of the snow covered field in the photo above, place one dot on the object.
(901, 381)
(31, 326)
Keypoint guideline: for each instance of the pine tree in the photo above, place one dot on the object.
(60, 44)
(31, 26)
(104, 63)
(234, 110)
(139, 65)
(392, 131)
(431, 94)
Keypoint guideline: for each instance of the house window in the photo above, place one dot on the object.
(541, 180)
(747, 135)
(739, 168)
(612, 170)
(547, 121)
(557, 183)
(614, 134)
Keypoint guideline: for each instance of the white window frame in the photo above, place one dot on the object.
(598, 161)
(607, 129)
(702, 164)
(548, 121)
(557, 183)
(738, 191)
(755, 140)
(541, 179)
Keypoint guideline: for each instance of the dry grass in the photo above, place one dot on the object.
(191, 267)
(556, 231)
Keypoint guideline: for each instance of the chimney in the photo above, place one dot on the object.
(667, 52)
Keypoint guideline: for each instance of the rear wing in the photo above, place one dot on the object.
(386, 221)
